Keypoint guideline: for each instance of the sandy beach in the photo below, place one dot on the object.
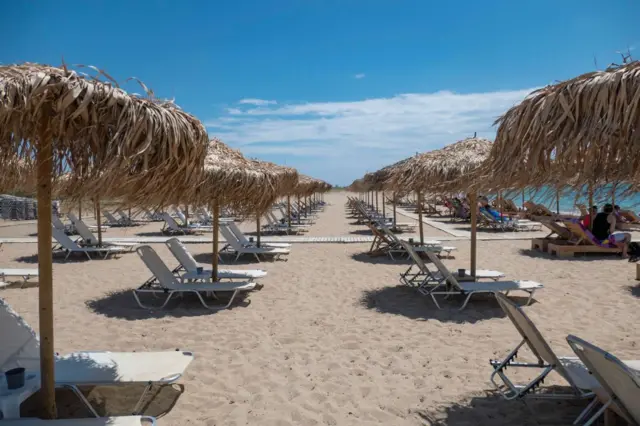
(333, 338)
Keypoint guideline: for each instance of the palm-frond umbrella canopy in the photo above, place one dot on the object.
(283, 179)
(442, 170)
(233, 180)
(446, 170)
(61, 122)
(589, 126)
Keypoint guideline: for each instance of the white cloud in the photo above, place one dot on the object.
(257, 102)
(359, 76)
(339, 141)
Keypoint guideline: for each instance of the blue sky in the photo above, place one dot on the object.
(333, 87)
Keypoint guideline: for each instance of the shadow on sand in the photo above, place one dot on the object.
(59, 258)
(490, 409)
(121, 304)
(634, 290)
(584, 257)
(109, 401)
(402, 300)
(229, 260)
(365, 257)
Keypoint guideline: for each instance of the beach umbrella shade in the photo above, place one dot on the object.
(588, 125)
(446, 170)
(58, 121)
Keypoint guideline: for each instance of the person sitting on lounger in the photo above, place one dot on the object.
(604, 229)
(619, 216)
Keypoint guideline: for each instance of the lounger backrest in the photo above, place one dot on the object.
(109, 216)
(388, 233)
(157, 267)
(231, 239)
(20, 346)
(64, 240)
(414, 255)
(237, 233)
(182, 217)
(558, 229)
(583, 234)
(181, 253)
(620, 382)
(170, 222)
(82, 229)
(529, 332)
(57, 223)
(433, 257)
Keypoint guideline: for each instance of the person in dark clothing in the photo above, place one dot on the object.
(604, 229)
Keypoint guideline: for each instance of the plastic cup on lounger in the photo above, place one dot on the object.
(15, 378)
(462, 272)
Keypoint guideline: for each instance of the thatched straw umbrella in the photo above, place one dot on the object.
(59, 121)
(446, 170)
(589, 126)
(282, 179)
(233, 180)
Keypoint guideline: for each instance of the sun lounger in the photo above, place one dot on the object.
(167, 284)
(172, 227)
(99, 421)
(581, 384)
(189, 265)
(112, 221)
(277, 227)
(419, 275)
(90, 240)
(582, 241)
(451, 286)
(21, 348)
(25, 274)
(66, 245)
(395, 246)
(242, 239)
(619, 381)
(562, 235)
(234, 246)
(59, 225)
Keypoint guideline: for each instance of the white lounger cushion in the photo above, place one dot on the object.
(187, 261)
(101, 421)
(493, 286)
(94, 368)
(237, 273)
(19, 272)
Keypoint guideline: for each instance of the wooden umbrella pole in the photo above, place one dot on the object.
(420, 218)
(394, 209)
(80, 209)
(501, 202)
(384, 212)
(186, 215)
(98, 214)
(590, 209)
(473, 201)
(289, 210)
(613, 195)
(523, 199)
(258, 229)
(377, 206)
(299, 210)
(558, 201)
(214, 261)
(44, 159)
